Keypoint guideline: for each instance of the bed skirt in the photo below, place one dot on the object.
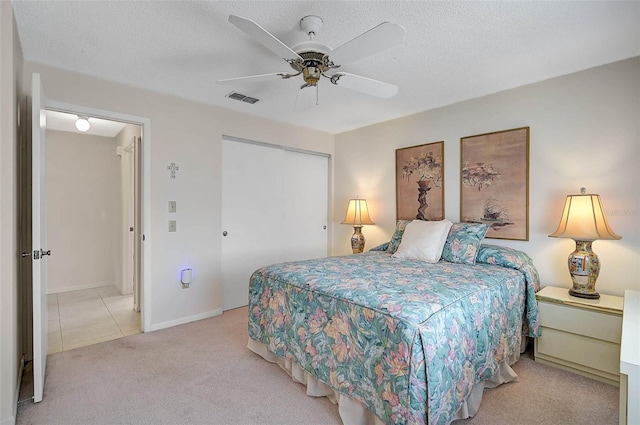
(353, 412)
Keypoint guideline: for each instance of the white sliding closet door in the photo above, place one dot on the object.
(274, 209)
(306, 205)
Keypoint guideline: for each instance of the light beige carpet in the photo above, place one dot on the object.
(202, 373)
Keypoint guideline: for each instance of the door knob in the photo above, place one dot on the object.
(224, 233)
(43, 252)
(26, 254)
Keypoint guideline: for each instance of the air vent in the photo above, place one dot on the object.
(242, 97)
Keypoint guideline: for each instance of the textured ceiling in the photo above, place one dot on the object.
(452, 50)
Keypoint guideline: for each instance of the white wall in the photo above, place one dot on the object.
(584, 131)
(188, 134)
(10, 103)
(83, 210)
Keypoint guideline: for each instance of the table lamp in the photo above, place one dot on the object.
(584, 221)
(357, 216)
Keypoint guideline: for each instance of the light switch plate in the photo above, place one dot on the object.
(172, 225)
(172, 206)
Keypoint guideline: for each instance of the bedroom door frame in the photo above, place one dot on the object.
(145, 194)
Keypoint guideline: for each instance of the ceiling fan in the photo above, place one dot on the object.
(316, 60)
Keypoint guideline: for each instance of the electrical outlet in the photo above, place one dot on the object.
(172, 225)
(172, 206)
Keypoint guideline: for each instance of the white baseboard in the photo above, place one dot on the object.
(184, 320)
(9, 421)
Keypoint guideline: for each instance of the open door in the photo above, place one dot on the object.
(137, 224)
(39, 237)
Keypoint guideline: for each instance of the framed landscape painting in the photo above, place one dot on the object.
(494, 184)
(419, 182)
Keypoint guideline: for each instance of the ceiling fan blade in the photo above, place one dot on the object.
(375, 40)
(364, 85)
(252, 78)
(263, 37)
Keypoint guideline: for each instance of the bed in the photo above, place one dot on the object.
(396, 340)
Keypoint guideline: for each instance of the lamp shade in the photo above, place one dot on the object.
(357, 213)
(583, 219)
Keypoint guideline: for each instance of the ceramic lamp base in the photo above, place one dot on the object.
(584, 268)
(357, 240)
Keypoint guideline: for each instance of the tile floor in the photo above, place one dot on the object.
(89, 316)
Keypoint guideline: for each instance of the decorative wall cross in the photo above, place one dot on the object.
(172, 169)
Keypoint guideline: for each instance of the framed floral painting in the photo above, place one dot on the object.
(419, 182)
(494, 184)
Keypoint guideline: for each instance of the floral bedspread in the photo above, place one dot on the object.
(407, 338)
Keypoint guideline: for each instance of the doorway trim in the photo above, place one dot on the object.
(145, 213)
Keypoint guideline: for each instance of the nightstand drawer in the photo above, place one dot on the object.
(579, 350)
(594, 324)
(579, 334)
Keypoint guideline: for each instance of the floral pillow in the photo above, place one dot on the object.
(463, 242)
(397, 236)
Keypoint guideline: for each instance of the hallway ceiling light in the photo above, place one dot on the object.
(83, 124)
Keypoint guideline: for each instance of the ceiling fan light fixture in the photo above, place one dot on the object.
(83, 124)
(311, 75)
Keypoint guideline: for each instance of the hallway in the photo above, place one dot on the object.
(89, 316)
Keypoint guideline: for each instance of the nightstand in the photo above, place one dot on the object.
(579, 334)
(630, 360)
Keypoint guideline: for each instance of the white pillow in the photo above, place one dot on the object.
(424, 240)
